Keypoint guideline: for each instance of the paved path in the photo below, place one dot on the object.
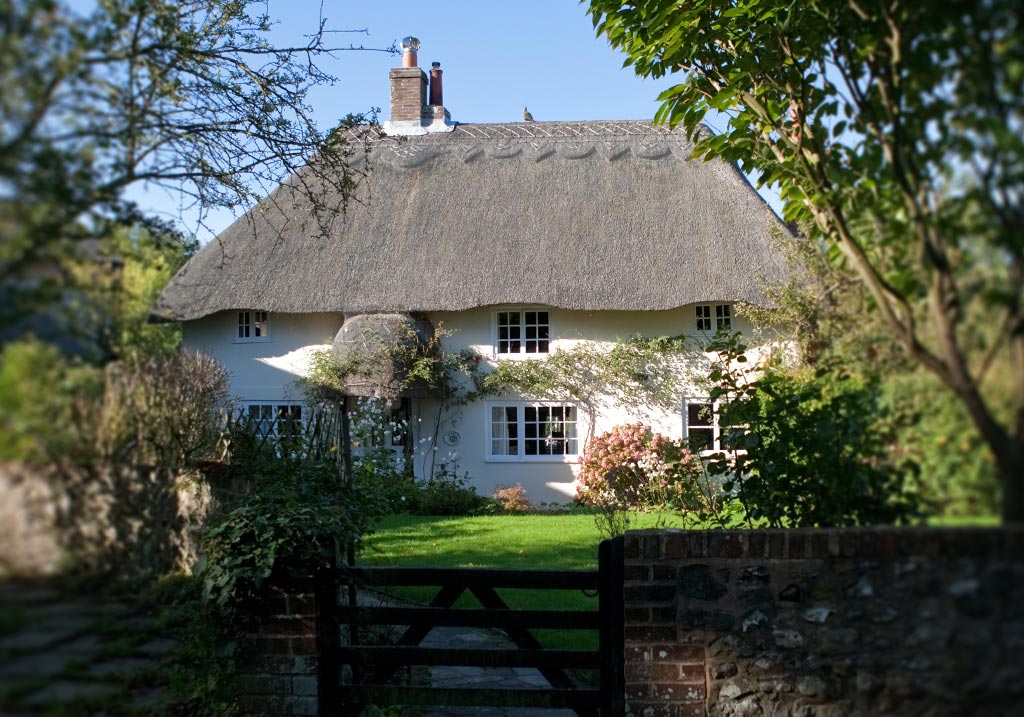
(75, 655)
(509, 678)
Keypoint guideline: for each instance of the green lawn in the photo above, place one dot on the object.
(496, 541)
(501, 541)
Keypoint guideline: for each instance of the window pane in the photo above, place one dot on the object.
(700, 439)
(699, 414)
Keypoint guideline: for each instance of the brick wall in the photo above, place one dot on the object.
(278, 667)
(825, 623)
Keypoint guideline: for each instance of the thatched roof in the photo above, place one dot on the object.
(576, 215)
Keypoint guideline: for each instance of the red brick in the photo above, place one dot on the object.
(631, 546)
(642, 672)
(649, 593)
(669, 709)
(635, 615)
(695, 544)
(273, 645)
(664, 572)
(757, 544)
(659, 689)
(303, 646)
(819, 544)
(650, 633)
(776, 544)
(796, 546)
(673, 546)
(636, 573)
(667, 653)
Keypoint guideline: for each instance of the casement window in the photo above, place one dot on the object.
(532, 432)
(279, 420)
(252, 326)
(713, 317)
(700, 425)
(521, 332)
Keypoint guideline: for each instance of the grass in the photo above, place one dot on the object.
(565, 542)
(498, 541)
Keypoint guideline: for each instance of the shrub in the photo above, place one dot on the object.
(448, 493)
(512, 499)
(298, 512)
(813, 448)
(633, 468)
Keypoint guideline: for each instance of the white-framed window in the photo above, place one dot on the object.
(278, 420)
(521, 431)
(713, 317)
(252, 326)
(700, 425)
(522, 332)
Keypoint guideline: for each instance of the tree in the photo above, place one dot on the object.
(895, 133)
(190, 96)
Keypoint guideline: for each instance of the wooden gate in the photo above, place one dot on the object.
(371, 668)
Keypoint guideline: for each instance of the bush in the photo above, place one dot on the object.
(298, 512)
(512, 499)
(633, 468)
(812, 448)
(448, 493)
(162, 411)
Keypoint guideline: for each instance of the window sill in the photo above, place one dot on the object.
(518, 357)
(532, 459)
(258, 340)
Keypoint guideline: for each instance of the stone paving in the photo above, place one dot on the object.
(510, 678)
(64, 654)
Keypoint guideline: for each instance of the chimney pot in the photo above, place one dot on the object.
(410, 46)
(436, 88)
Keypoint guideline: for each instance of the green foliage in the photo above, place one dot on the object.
(631, 468)
(37, 388)
(448, 493)
(935, 432)
(893, 133)
(635, 371)
(805, 448)
(125, 297)
(298, 512)
(159, 411)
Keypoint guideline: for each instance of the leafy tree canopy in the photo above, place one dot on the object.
(894, 133)
(190, 96)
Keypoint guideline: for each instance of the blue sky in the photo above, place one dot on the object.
(496, 57)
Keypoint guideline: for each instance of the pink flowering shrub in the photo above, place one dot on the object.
(632, 468)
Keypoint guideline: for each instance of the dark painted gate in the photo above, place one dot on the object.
(369, 670)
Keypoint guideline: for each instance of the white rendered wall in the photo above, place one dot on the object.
(268, 371)
(263, 370)
(554, 480)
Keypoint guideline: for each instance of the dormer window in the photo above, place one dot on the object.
(252, 326)
(722, 317)
(521, 332)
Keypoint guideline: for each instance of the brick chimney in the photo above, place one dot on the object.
(410, 113)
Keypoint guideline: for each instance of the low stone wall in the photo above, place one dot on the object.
(825, 623)
(125, 521)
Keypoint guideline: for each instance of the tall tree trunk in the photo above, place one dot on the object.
(1011, 477)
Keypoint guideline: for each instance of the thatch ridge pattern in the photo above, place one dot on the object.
(575, 215)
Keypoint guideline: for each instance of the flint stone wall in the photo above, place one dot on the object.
(825, 623)
(130, 522)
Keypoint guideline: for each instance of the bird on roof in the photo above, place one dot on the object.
(527, 117)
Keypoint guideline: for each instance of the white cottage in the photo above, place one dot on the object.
(518, 238)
